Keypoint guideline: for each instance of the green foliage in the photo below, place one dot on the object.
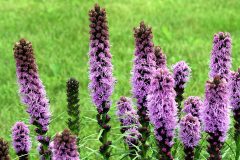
(59, 29)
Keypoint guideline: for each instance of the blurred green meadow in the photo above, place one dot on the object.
(59, 32)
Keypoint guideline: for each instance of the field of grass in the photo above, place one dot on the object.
(59, 30)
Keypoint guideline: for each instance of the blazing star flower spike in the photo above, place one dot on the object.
(32, 90)
(181, 75)
(101, 77)
(65, 146)
(161, 59)
(144, 65)
(189, 134)
(220, 63)
(216, 115)
(194, 106)
(129, 125)
(163, 111)
(21, 140)
(126, 114)
(4, 150)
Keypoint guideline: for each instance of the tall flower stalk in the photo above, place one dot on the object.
(73, 108)
(161, 59)
(181, 75)
(163, 111)
(216, 115)
(4, 150)
(21, 140)
(144, 65)
(33, 93)
(221, 62)
(189, 134)
(235, 103)
(65, 146)
(129, 125)
(101, 78)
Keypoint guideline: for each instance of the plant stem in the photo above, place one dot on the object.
(103, 118)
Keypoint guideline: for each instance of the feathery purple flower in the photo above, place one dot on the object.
(4, 150)
(144, 65)
(220, 63)
(181, 75)
(161, 59)
(101, 78)
(129, 124)
(31, 89)
(126, 114)
(193, 105)
(21, 140)
(235, 104)
(189, 134)
(65, 146)
(216, 115)
(163, 111)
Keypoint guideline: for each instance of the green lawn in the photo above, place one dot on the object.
(59, 30)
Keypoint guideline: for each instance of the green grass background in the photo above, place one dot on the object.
(59, 30)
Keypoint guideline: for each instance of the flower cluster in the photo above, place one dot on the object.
(161, 60)
(181, 75)
(128, 119)
(64, 146)
(194, 106)
(21, 139)
(127, 115)
(32, 90)
(144, 65)
(101, 78)
(216, 114)
(189, 134)
(4, 150)
(163, 110)
(221, 56)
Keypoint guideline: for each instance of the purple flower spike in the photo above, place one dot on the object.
(161, 59)
(221, 56)
(21, 140)
(132, 137)
(129, 124)
(144, 65)
(65, 146)
(101, 77)
(216, 115)
(189, 134)
(194, 106)
(235, 103)
(181, 75)
(31, 88)
(127, 115)
(163, 111)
